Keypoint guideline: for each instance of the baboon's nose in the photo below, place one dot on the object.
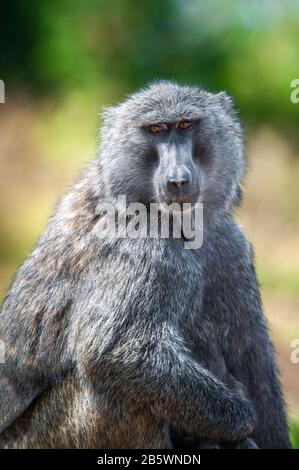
(179, 180)
(175, 183)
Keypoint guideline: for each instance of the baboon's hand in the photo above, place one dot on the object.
(245, 417)
(247, 444)
(243, 422)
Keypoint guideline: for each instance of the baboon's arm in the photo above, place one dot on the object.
(264, 389)
(262, 376)
(16, 394)
(258, 366)
(245, 344)
(196, 401)
(32, 330)
(163, 378)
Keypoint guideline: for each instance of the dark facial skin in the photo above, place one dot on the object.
(177, 177)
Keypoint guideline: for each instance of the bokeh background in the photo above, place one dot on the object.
(61, 61)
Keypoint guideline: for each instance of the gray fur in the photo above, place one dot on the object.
(108, 343)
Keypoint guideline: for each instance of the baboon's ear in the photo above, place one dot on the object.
(108, 112)
(15, 395)
(226, 102)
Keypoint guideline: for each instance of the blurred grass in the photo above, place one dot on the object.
(294, 435)
(283, 282)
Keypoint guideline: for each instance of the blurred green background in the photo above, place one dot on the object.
(61, 61)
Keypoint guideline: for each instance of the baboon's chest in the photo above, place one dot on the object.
(164, 279)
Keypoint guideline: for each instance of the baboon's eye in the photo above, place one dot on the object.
(184, 124)
(154, 128)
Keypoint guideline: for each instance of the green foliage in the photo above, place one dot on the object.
(248, 48)
(294, 435)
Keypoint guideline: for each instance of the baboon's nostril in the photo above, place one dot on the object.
(177, 183)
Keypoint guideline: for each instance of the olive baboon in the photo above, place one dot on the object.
(114, 343)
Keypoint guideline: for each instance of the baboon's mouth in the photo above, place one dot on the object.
(181, 200)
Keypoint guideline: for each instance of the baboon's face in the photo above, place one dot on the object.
(168, 143)
(172, 146)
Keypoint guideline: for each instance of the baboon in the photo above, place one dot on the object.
(124, 343)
